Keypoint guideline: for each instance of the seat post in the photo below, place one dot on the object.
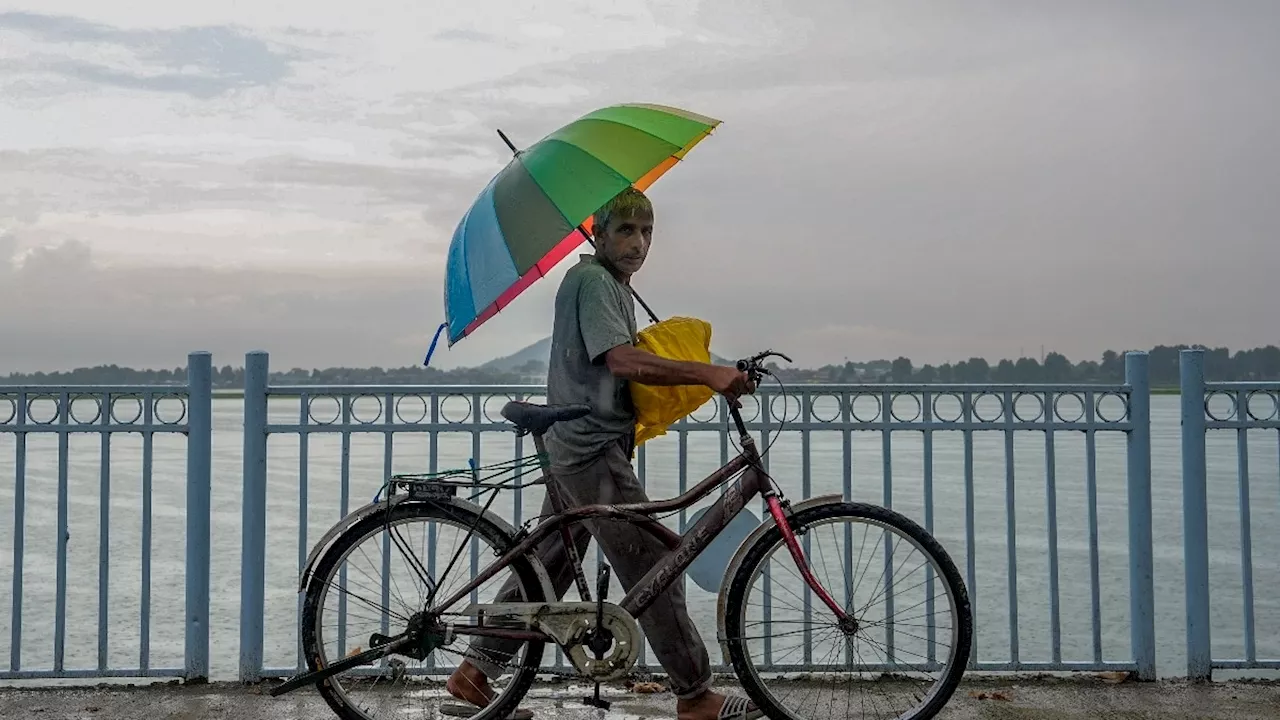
(558, 505)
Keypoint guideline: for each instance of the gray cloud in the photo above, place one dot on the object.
(59, 308)
(471, 36)
(1082, 176)
(197, 61)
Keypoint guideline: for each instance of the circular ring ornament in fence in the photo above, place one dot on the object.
(36, 418)
(496, 417)
(164, 411)
(865, 399)
(13, 410)
(360, 415)
(449, 412)
(117, 401)
(322, 404)
(1227, 404)
(399, 411)
(789, 404)
(1273, 414)
(708, 412)
(940, 416)
(1017, 414)
(977, 407)
(97, 409)
(893, 407)
(1078, 408)
(820, 405)
(1104, 410)
(750, 410)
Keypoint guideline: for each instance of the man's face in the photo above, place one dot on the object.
(624, 244)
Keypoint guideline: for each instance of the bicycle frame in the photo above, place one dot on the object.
(685, 547)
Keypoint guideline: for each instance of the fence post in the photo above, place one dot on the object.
(1142, 611)
(1195, 514)
(199, 481)
(253, 531)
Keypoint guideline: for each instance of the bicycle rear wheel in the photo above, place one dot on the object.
(908, 650)
(376, 576)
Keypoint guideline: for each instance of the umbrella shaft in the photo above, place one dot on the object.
(643, 304)
(634, 294)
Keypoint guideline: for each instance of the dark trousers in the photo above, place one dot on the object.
(632, 552)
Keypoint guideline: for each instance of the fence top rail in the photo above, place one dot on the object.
(1243, 386)
(767, 389)
(45, 391)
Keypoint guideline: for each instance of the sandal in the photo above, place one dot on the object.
(736, 707)
(461, 709)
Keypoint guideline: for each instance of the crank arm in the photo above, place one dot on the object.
(318, 676)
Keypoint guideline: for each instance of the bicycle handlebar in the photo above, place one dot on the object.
(754, 365)
(755, 370)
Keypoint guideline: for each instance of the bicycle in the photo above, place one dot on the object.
(429, 627)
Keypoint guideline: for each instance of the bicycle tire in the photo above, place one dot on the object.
(509, 699)
(759, 552)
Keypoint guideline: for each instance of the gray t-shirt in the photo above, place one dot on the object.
(593, 314)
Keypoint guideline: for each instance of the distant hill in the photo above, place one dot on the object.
(541, 352)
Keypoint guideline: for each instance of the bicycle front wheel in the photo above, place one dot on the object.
(906, 650)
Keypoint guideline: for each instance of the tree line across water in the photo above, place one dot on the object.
(1220, 365)
(1262, 363)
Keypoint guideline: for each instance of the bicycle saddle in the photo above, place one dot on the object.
(537, 419)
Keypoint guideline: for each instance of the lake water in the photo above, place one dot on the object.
(366, 457)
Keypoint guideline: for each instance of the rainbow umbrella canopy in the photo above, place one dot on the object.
(535, 211)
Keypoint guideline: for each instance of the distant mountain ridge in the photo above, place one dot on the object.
(541, 352)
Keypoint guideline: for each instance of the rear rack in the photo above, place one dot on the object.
(506, 475)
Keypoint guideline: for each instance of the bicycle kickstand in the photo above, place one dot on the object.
(599, 639)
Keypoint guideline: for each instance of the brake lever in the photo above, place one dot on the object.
(768, 353)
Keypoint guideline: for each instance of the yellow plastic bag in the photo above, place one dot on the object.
(657, 407)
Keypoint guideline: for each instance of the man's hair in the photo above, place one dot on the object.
(627, 203)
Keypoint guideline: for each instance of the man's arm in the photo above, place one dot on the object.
(606, 334)
(632, 363)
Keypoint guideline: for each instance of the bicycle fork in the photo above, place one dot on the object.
(793, 545)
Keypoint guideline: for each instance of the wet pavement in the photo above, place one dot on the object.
(1040, 698)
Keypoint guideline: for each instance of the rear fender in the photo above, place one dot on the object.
(365, 511)
(736, 563)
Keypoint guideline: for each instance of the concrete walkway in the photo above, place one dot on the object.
(1041, 699)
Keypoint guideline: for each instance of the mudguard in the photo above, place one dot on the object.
(736, 563)
(361, 513)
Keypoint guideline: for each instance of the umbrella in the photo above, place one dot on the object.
(538, 208)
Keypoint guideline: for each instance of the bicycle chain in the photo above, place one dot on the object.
(569, 674)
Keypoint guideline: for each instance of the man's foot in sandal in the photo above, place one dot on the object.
(471, 686)
(714, 706)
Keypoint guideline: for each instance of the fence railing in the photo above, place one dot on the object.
(32, 413)
(832, 415)
(1247, 408)
(1031, 488)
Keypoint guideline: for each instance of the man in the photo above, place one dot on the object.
(593, 358)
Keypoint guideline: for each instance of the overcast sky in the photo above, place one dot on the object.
(935, 180)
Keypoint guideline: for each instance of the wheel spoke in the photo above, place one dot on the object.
(842, 656)
(399, 685)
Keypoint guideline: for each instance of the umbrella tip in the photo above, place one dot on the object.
(507, 140)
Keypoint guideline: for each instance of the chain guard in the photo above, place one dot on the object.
(568, 623)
